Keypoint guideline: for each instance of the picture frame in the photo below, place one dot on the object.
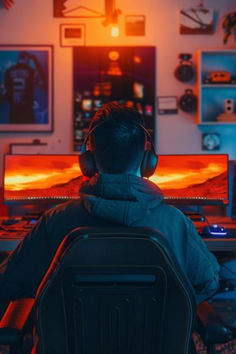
(167, 105)
(72, 35)
(74, 9)
(135, 25)
(26, 88)
(196, 21)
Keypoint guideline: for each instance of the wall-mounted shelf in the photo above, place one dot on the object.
(212, 66)
(219, 86)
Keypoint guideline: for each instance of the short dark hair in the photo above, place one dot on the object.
(118, 142)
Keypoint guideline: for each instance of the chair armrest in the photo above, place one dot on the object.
(17, 313)
(212, 329)
(14, 320)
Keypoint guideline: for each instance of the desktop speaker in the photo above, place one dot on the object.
(229, 105)
(188, 101)
(184, 71)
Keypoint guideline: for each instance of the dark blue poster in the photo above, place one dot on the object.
(25, 88)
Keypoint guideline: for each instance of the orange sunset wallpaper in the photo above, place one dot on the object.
(41, 176)
(193, 176)
(30, 177)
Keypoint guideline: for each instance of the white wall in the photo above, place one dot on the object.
(32, 22)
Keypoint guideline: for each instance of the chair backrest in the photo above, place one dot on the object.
(114, 291)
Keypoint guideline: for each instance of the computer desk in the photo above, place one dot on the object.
(10, 239)
(220, 244)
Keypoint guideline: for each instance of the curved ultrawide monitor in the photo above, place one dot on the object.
(183, 179)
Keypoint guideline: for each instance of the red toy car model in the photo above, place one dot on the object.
(219, 77)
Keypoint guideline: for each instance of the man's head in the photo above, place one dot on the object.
(118, 142)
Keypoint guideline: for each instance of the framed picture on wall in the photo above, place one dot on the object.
(196, 21)
(135, 25)
(72, 35)
(125, 74)
(26, 88)
(76, 9)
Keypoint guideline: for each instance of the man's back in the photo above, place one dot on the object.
(110, 200)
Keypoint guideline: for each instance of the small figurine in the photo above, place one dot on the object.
(229, 25)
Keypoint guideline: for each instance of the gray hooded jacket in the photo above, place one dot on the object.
(109, 200)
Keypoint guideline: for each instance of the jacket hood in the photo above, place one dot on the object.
(123, 199)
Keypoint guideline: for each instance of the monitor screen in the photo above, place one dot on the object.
(193, 179)
(188, 179)
(112, 73)
(48, 178)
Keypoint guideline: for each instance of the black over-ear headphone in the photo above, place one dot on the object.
(150, 158)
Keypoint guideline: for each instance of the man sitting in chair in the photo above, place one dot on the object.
(119, 155)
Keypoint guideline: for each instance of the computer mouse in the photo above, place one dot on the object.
(214, 230)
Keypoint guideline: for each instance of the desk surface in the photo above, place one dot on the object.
(10, 239)
(215, 244)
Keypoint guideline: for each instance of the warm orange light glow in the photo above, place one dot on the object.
(137, 59)
(114, 69)
(115, 31)
(41, 176)
(114, 55)
(192, 176)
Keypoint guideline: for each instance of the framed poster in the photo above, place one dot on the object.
(167, 105)
(26, 88)
(77, 9)
(196, 21)
(125, 74)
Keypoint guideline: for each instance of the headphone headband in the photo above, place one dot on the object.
(148, 135)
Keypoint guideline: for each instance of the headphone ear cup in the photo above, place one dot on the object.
(87, 164)
(149, 163)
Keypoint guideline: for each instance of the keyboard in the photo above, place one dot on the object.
(16, 228)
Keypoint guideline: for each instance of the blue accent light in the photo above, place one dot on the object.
(222, 233)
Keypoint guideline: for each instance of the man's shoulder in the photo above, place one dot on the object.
(174, 220)
(69, 207)
(172, 211)
(63, 218)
